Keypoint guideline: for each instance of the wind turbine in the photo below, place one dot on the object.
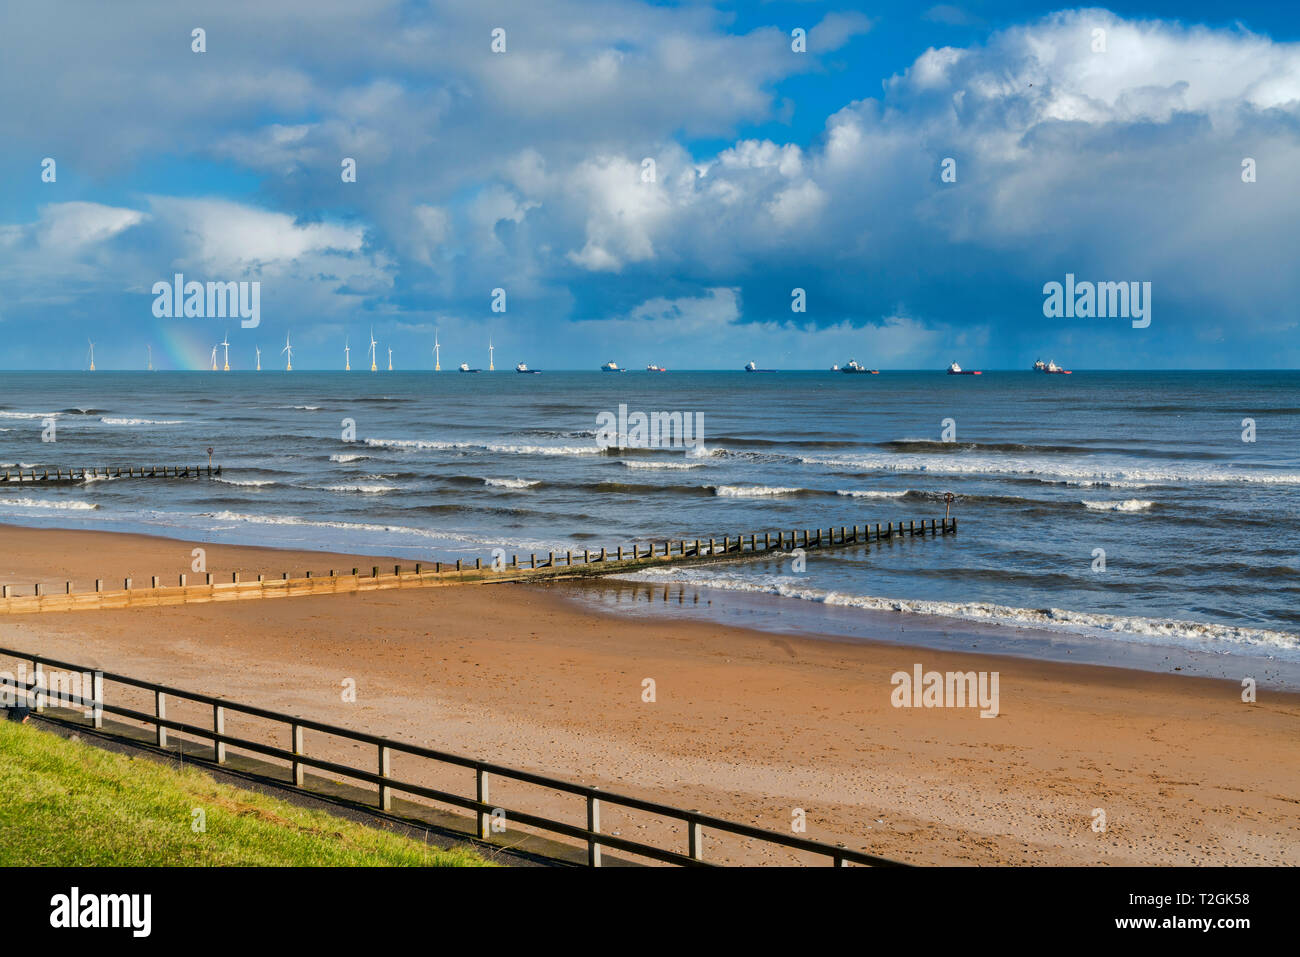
(491, 368)
(437, 357)
(373, 367)
(225, 341)
(214, 358)
(287, 350)
(390, 358)
(259, 358)
(347, 356)
(92, 356)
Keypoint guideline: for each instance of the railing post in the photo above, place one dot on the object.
(385, 769)
(481, 795)
(160, 712)
(97, 700)
(218, 727)
(593, 825)
(297, 748)
(695, 839)
(38, 681)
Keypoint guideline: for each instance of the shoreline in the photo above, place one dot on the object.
(747, 724)
(53, 556)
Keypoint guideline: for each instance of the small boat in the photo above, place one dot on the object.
(955, 369)
(464, 367)
(1051, 368)
(654, 368)
(523, 367)
(855, 367)
(610, 366)
(753, 367)
(835, 368)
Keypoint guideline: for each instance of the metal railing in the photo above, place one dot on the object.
(40, 696)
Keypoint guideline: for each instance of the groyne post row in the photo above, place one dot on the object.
(20, 599)
(81, 475)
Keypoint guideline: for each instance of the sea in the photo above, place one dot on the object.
(1146, 519)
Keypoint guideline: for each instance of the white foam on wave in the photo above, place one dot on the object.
(487, 447)
(110, 420)
(753, 491)
(662, 465)
(511, 483)
(1193, 635)
(362, 489)
(65, 505)
(1128, 505)
(29, 415)
(436, 534)
(1053, 469)
(247, 483)
(348, 458)
(869, 493)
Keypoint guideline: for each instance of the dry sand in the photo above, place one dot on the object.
(746, 725)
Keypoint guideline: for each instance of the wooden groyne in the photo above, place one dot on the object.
(748, 546)
(73, 476)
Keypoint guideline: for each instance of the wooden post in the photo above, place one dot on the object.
(478, 564)
(532, 559)
(374, 570)
(620, 553)
(481, 795)
(99, 584)
(219, 727)
(593, 825)
(153, 581)
(458, 564)
(568, 558)
(550, 559)
(954, 523)
(37, 590)
(586, 556)
(385, 792)
(97, 699)
(160, 712)
(695, 839)
(182, 579)
(127, 584)
(297, 748)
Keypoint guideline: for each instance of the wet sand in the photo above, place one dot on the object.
(746, 725)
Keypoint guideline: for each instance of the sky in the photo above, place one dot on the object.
(692, 184)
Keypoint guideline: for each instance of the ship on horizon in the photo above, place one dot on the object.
(856, 368)
(955, 369)
(523, 367)
(610, 366)
(1051, 368)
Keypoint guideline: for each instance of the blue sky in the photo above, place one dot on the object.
(774, 170)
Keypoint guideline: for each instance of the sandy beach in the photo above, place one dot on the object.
(745, 725)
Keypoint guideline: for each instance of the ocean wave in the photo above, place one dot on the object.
(362, 489)
(510, 483)
(662, 465)
(871, 493)
(108, 420)
(487, 447)
(295, 521)
(1101, 472)
(756, 491)
(1128, 505)
(29, 415)
(348, 458)
(62, 505)
(1205, 636)
(248, 483)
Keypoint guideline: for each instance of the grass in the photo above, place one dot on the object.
(64, 803)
